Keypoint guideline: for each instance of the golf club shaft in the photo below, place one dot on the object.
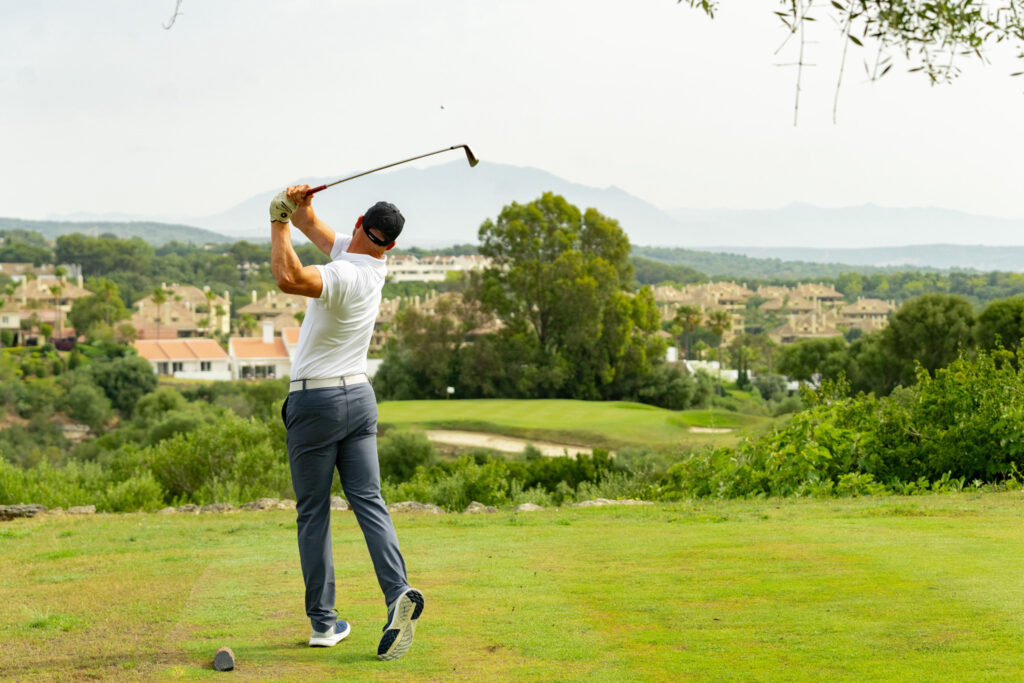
(469, 155)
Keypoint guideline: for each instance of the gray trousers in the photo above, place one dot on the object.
(332, 428)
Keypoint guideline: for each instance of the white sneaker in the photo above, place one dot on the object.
(401, 626)
(331, 637)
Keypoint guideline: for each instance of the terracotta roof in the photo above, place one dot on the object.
(180, 349)
(290, 335)
(253, 347)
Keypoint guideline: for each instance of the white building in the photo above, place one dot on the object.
(408, 268)
(263, 357)
(186, 358)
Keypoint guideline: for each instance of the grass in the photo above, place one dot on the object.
(888, 588)
(586, 423)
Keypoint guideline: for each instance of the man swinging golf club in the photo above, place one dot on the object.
(331, 412)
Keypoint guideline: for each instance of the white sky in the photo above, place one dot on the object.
(102, 110)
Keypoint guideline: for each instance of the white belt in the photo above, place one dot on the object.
(348, 380)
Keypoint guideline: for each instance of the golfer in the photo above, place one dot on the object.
(331, 412)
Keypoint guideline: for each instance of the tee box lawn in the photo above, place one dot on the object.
(907, 589)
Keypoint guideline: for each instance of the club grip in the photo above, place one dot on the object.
(315, 190)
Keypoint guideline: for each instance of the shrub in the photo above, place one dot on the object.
(401, 452)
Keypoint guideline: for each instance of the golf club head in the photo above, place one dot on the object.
(473, 161)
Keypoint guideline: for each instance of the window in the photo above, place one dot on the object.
(205, 365)
(161, 368)
(177, 367)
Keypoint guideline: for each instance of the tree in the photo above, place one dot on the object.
(56, 290)
(1002, 322)
(159, 299)
(688, 318)
(932, 330)
(560, 285)
(718, 322)
(247, 323)
(104, 306)
(124, 380)
(930, 36)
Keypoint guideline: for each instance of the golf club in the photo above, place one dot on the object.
(473, 161)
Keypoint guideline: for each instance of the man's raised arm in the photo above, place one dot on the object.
(315, 230)
(291, 276)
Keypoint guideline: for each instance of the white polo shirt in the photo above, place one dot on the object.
(336, 331)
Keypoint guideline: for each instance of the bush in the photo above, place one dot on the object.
(124, 380)
(401, 452)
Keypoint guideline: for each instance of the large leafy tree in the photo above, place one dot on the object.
(1002, 322)
(104, 306)
(559, 283)
(931, 330)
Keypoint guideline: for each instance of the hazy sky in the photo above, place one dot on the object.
(102, 110)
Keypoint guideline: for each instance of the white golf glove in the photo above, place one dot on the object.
(281, 207)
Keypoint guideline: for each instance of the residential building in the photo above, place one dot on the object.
(199, 310)
(263, 357)
(186, 358)
(409, 268)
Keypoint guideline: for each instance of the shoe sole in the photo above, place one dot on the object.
(332, 640)
(398, 637)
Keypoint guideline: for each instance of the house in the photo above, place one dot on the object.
(273, 304)
(864, 310)
(169, 320)
(202, 310)
(50, 298)
(263, 357)
(186, 358)
(408, 268)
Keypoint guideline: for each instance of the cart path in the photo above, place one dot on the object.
(507, 444)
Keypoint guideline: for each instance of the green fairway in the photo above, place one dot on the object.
(910, 589)
(586, 423)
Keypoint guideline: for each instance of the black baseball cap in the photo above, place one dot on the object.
(385, 220)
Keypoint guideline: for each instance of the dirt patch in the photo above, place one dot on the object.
(506, 444)
(710, 430)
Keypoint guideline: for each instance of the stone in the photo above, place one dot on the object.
(261, 504)
(56, 511)
(224, 660)
(413, 506)
(168, 511)
(217, 507)
(598, 502)
(476, 508)
(82, 510)
(190, 509)
(338, 503)
(286, 504)
(22, 510)
(528, 507)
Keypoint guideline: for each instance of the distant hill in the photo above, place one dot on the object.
(740, 266)
(917, 257)
(154, 233)
(446, 204)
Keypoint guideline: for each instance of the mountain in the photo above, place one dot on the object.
(152, 232)
(860, 227)
(446, 204)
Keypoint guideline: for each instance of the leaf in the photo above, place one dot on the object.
(855, 39)
(837, 6)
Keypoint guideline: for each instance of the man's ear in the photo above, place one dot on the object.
(390, 246)
(359, 222)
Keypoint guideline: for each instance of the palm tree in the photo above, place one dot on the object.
(718, 323)
(159, 298)
(688, 319)
(247, 323)
(56, 290)
(210, 296)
